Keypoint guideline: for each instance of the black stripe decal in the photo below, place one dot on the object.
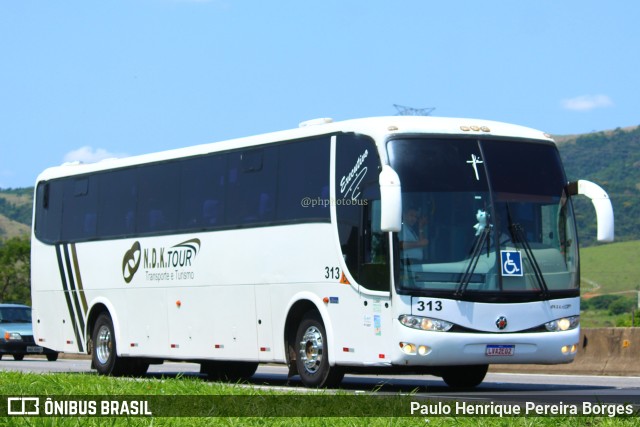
(74, 294)
(67, 296)
(76, 268)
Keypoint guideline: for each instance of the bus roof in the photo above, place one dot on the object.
(377, 127)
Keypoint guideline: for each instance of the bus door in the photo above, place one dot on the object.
(365, 248)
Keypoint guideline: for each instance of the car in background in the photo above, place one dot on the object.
(16, 333)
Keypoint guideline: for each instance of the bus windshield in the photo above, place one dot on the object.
(484, 219)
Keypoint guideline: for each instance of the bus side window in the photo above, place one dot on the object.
(49, 211)
(202, 190)
(304, 175)
(156, 211)
(250, 198)
(117, 205)
(81, 205)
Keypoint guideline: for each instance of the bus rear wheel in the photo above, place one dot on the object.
(312, 354)
(464, 377)
(104, 356)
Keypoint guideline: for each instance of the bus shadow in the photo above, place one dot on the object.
(398, 385)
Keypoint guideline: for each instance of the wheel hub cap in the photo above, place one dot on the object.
(311, 349)
(103, 345)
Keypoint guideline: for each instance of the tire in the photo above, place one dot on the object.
(104, 356)
(312, 354)
(52, 357)
(228, 371)
(18, 357)
(464, 377)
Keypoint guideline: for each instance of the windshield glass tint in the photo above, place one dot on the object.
(15, 315)
(483, 216)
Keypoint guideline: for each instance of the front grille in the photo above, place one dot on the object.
(28, 339)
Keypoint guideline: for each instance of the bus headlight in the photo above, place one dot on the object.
(425, 323)
(564, 324)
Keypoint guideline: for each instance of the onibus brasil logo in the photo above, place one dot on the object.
(161, 263)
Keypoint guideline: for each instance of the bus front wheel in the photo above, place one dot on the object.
(463, 377)
(312, 355)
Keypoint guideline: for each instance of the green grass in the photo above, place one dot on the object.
(603, 319)
(610, 268)
(60, 385)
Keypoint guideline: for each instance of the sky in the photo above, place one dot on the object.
(85, 80)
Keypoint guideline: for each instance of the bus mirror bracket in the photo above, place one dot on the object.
(390, 200)
(601, 203)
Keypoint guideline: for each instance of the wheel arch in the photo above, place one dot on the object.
(298, 307)
(97, 308)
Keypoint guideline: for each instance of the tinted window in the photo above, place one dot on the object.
(522, 168)
(202, 192)
(15, 315)
(81, 209)
(158, 194)
(303, 173)
(49, 210)
(364, 246)
(446, 165)
(251, 190)
(118, 200)
(251, 187)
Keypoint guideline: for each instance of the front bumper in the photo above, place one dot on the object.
(453, 348)
(25, 346)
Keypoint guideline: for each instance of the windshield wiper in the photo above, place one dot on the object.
(518, 236)
(473, 262)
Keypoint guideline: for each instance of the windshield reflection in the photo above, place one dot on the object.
(484, 217)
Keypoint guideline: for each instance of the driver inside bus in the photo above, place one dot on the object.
(412, 236)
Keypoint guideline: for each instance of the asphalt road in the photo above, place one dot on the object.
(496, 386)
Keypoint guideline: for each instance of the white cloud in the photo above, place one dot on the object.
(587, 102)
(88, 154)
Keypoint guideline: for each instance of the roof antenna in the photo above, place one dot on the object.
(410, 111)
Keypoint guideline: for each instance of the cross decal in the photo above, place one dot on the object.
(474, 163)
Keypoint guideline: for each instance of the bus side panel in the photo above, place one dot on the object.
(212, 322)
(266, 349)
(50, 325)
(146, 326)
(58, 299)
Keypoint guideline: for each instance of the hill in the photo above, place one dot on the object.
(15, 212)
(612, 160)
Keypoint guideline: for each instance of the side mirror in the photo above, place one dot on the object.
(601, 203)
(390, 200)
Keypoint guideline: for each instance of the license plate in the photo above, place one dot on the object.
(500, 350)
(34, 349)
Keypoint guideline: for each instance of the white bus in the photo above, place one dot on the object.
(393, 244)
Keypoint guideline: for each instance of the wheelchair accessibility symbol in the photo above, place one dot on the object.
(511, 262)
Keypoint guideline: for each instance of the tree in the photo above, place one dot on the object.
(15, 274)
(624, 305)
(603, 302)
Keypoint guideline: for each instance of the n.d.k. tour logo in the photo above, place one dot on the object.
(161, 263)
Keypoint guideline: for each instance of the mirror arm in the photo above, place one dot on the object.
(601, 203)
